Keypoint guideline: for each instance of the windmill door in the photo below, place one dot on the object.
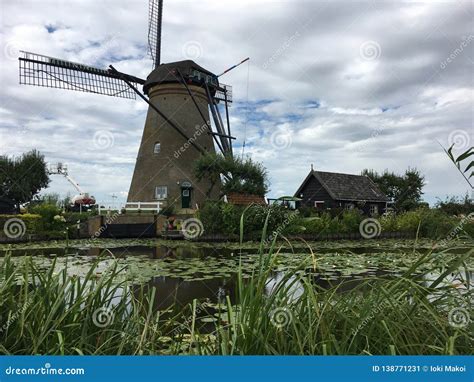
(186, 190)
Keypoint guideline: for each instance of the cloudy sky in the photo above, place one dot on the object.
(341, 85)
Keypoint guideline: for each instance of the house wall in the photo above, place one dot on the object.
(314, 191)
(365, 207)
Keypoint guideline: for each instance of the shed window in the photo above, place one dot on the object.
(374, 209)
(161, 192)
(157, 148)
(319, 203)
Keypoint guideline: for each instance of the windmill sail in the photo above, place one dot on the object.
(155, 12)
(39, 70)
(224, 93)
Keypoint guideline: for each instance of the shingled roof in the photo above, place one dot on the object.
(347, 186)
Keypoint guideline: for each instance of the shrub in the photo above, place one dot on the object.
(389, 223)
(279, 218)
(305, 212)
(224, 218)
(49, 214)
(212, 217)
(73, 217)
(231, 218)
(433, 223)
(456, 206)
(317, 225)
(408, 221)
(350, 221)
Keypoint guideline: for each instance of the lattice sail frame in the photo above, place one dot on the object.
(155, 10)
(221, 93)
(40, 70)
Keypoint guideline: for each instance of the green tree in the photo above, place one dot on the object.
(21, 178)
(404, 191)
(456, 205)
(237, 175)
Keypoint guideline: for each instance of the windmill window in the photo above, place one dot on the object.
(157, 148)
(161, 192)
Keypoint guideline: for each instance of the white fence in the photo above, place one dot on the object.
(143, 206)
(136, 206)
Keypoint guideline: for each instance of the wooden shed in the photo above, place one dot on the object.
(326, 190)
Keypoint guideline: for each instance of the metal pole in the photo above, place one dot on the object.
(227, 118)
(234, 66)
(214, 115)
(221, 123)
(223, 135)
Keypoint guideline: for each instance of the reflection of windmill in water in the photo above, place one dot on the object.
(177, 128)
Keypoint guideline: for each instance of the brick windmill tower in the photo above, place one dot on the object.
(178, 130)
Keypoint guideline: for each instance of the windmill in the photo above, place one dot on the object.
(177, 129)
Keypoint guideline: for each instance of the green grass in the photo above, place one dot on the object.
(47, 313)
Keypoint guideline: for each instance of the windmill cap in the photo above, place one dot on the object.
(168, 73)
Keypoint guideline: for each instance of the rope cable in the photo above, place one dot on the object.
(246, 109)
